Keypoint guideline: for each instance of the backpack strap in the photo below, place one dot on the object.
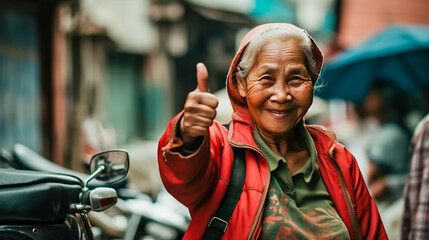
(218, 224)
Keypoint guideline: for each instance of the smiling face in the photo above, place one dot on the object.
(278, 88)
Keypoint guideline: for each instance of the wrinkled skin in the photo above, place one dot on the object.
(279, 91)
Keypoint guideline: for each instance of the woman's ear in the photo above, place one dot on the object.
(241, 85)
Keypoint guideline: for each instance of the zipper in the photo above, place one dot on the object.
(252, 233)
(349, 203)
(258, 217)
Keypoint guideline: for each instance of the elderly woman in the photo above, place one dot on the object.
(300, 182)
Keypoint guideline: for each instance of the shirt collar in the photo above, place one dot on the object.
(273, 158)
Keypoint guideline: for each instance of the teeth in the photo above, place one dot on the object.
(277, 112)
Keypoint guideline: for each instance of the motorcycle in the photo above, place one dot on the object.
(162, 218)
(55, 204)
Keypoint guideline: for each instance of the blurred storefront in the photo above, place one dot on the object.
(32, 101)
(85, 75)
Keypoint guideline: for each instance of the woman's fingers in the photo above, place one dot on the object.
(195, 125)
(203, 98)
(201, 111)
(198, 115)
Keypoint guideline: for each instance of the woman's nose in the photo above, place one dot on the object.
(281, 92)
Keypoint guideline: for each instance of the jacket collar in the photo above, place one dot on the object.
(241, 135)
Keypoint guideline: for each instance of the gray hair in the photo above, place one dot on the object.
(264, 36)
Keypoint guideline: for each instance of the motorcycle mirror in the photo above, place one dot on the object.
(111, 165)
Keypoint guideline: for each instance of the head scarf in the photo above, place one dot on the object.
(238, 103)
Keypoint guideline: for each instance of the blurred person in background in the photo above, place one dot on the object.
(415, 220)
(387, 151)
(300, 182)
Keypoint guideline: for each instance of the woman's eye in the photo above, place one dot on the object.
(265, 78)
(296, 81)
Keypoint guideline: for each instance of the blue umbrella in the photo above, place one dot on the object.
(398, 54)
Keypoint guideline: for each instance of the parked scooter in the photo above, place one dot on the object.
(41, 205)
(161, 219)
(136, 215)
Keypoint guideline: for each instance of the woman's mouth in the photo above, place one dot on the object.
(279, 112)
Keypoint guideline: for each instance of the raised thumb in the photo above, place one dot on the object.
(202, 76)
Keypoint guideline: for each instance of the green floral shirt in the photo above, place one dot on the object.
(298, 206)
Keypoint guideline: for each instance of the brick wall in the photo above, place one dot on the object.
(362, 18)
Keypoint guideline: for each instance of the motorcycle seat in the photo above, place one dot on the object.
(27, 159)
(36, 197)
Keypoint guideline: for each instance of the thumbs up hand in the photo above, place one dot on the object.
(199, 110)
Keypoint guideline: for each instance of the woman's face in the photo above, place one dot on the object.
(278, 88)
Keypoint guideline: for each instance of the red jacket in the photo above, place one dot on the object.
(199, 181)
